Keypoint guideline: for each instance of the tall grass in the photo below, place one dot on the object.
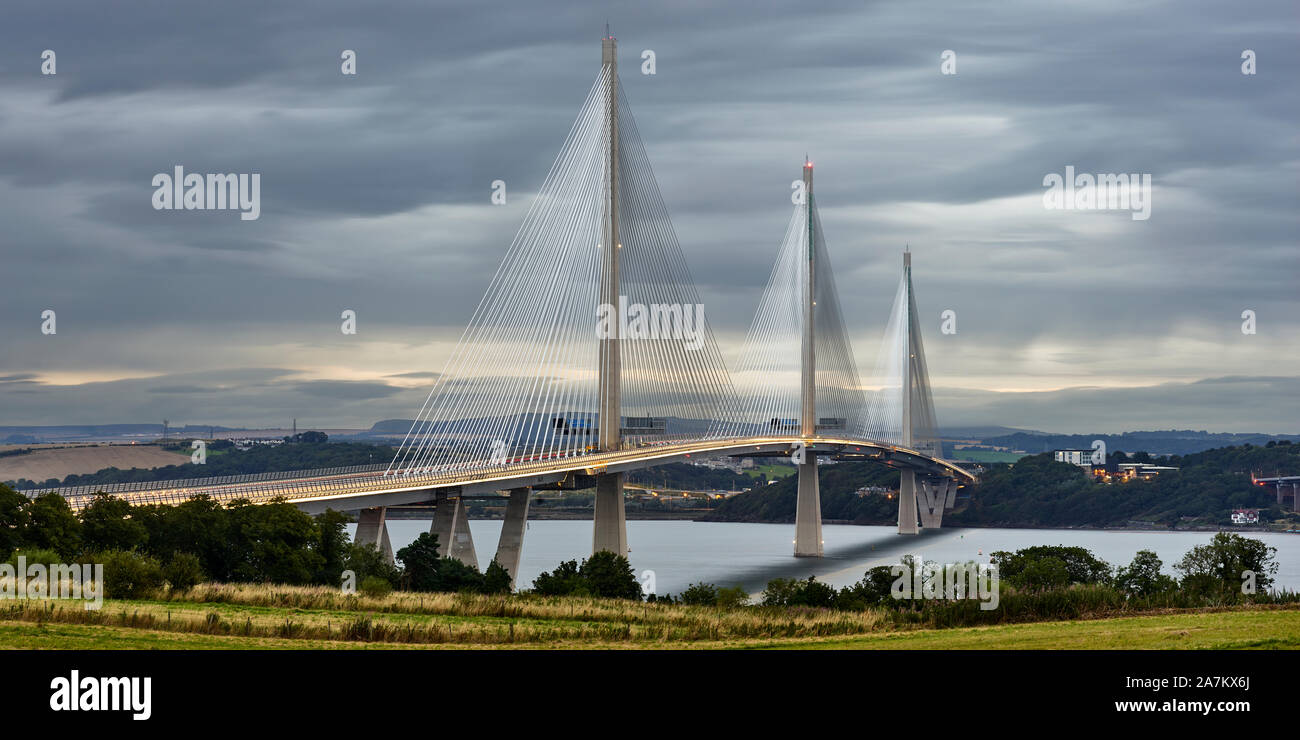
(697, 622)
(319, 613)
(326, 614)
(1080, 601)
(395, 628)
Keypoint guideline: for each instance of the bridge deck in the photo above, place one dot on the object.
(366, 486)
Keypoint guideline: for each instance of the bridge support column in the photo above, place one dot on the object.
(372, 529)
(610, 527)
(907, 503)
(1295, 496)
(808, 512)
(511, 545)
(934, 495)
(451, 525)
(1279, 493)
(950, 500)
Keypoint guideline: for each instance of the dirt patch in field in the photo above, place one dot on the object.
(43, 463)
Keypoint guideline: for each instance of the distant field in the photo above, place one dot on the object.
(773, 472)
(987, 456)
(44, 463)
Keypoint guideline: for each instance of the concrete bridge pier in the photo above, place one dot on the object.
(907, 503)
(372, 529)
(933, 499)
(451, 525)
(610, 526)
(808, 511)
(511, 545)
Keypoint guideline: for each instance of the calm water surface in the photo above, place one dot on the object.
(682, 552)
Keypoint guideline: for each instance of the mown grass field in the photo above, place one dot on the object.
(61, 461)
(988, 456)
(773, 472)
(262, 617)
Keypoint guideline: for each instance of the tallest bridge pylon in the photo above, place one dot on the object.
(610, 528)
(591, 337)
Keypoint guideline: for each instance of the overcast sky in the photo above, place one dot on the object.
(375, 194)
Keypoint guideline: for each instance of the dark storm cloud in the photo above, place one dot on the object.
(375, 187)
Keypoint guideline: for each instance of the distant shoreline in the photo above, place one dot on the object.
(694, 517)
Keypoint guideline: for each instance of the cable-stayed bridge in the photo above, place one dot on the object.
(590, 355)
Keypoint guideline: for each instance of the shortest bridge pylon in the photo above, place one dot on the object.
(902, 412)
(937, 495)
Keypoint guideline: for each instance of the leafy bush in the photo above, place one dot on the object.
(1047, 566)
(700, 594)
(376, 587)
(611, 576)
(52, 525)
(36, 555)
(183, 571)
(734, 597)
(874, 588)
(1220, 568)
(1041, 574)
(565, 581)
(707, 594)
(427, 571)
(13, 518)
(604, 574)
(421, 560)
(496, 579)
(453, 575)
(107, 524)
(1142, 577)
(366, 561)
(129, 575)
(793, 592)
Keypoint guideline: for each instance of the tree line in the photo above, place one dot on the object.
(144, 547)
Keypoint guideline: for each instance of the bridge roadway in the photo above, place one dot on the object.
(314, 493)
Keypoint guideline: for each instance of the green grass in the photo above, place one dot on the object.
(1254, 629)
(988, 456)
(246, 616)
(773, 472)
(47, 636)
(1277, 629)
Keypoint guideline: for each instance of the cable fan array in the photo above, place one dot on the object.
(768, 376)
(522, 383)
(883, 420)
